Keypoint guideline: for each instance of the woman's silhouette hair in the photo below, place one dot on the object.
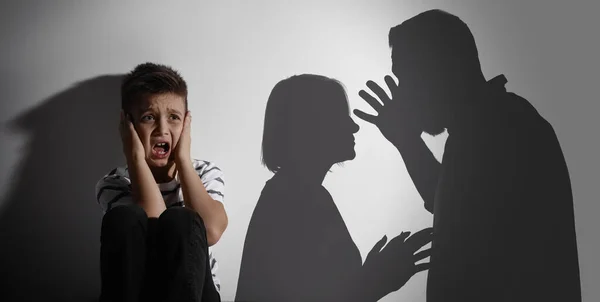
(436, 41)
(294, 109)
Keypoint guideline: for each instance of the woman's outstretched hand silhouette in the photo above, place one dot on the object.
(391, 267)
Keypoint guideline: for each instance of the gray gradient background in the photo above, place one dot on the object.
(232, 54)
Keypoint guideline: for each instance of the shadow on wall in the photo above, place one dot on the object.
(503, 225)
(50, 225)
(501, 198)
(297, 246)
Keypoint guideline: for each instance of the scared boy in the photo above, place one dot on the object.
(164, 209)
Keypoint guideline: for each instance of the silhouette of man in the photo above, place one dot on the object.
(501, 198)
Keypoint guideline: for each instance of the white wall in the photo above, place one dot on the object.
(233, 52)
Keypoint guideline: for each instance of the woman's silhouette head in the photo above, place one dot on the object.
(307, 122)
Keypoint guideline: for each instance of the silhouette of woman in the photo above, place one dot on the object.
(298, 247)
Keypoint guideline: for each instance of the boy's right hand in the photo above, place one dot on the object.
(132, 145)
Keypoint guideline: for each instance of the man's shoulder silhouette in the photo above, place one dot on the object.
(503, 114)
(509, 105)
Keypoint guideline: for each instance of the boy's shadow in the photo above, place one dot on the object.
(50, 225)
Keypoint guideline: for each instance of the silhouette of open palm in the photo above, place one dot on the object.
(396, 118)
(393, 266)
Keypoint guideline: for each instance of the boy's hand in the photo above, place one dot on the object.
(182, 150)
(132, 145)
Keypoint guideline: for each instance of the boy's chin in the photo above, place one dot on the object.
(160, 163)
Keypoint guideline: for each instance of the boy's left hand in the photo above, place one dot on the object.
(182, 150)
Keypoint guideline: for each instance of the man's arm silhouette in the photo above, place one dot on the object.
(401, 128)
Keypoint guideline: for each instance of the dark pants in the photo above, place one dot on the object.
(161, 259)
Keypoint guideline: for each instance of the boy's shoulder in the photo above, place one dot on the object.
(120, 171)
(204, 166)
(117, 178)
(117, 174)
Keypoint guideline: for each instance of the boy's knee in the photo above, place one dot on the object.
(120, 222)
(124, 216)
(181, 220)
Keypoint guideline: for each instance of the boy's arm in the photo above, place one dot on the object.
(145, 191)
(197, 197)
(144, 188)
(113, 190)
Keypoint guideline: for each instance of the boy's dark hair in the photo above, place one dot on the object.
(150, 78)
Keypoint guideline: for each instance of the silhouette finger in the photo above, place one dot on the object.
(398, 241)
(380, 243)
(370, 100)
(403, 236)
(422, 255)
(377, 247)
(392, 86)
(365, 116)
(379, 92)
(419, 239)
(422, 267)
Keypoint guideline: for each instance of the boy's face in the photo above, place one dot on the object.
(158, 120)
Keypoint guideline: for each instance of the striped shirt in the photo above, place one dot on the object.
(114, 189)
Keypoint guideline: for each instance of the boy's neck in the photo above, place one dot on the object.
(164, 174)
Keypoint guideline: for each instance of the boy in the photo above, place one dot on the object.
(164, 209)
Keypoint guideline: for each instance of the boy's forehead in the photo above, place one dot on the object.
(166, 101)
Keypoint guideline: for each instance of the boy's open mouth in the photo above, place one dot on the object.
(161, 149)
